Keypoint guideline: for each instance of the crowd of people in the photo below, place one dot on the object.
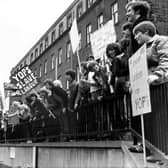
(55, 108)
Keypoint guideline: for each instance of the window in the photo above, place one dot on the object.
(53, 37)
(40, 70)
(114, 12)
(25, 62)
(46, 42)
(31, 58)
(61, 29)
(89, 3)
(52, 61)
(100, 21)
(88, 32)
(45, 67)
(80, 40)
(59, 56)
(68, 50)
(36, 52)
(69, 21)
(79, 10)
(67, 84)
(41, 48)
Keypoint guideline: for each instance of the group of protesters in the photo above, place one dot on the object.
(55, 109)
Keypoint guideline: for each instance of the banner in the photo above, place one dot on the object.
(25, 80)
(74, 36)
(101, 38)
(139, 82)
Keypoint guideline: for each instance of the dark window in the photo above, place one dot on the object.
(59, 56)
(53, 36)
(114, 12)
(100, 21)
(61, 29)
(88, 33)
(69, 21)
(79, 10)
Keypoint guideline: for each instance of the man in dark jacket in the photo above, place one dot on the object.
(72, 100)
(137, 11)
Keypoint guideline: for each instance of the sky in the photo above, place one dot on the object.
(22, 23)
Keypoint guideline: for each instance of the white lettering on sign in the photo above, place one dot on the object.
(25, 79)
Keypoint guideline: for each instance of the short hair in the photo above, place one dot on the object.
(127, 25)
(91, 64)
(71, 73)
(49, 82)
(58, 83)
(142, 6)
(90, 56)
(113, 46)
(145, 26)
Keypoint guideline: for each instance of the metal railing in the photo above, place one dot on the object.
(95, 120)
(156, 122)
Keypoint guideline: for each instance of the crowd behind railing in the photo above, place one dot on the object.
(99, 101)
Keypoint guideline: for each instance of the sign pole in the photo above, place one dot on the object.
(79, 63)
(143, 139)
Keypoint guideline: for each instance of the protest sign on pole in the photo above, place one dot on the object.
(140, 96)
(101, 38)
(74, 37)
(25, 80)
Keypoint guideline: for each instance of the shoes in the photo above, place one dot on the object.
(136, 148)
(152, 159)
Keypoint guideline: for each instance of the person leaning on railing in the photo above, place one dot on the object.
(157, 50)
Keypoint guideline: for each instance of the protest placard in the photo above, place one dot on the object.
(101, 38)
(139, 82)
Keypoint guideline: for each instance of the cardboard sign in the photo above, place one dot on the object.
(138, 77)
(25, 80)
(101, 38)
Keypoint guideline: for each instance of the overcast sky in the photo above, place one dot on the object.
(22, 23)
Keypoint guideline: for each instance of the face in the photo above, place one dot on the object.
(126, 33)
(141, 38)
(96, 68)
(111, 54)
(68, 77)
(130, 14)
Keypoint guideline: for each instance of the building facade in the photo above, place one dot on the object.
(52, 55)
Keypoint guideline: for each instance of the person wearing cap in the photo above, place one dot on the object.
(136, 12)
(157, 50)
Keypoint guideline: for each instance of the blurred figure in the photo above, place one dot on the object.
(72, 100)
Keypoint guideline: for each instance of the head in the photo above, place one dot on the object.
(48, 83)
(84, 68)
(112, 50)
(70, 75)
(93, 66)
(58, 83)
(126, 30)
(90, 58)
(144, 31)
(44, 92)
(136, 9)
(33, 96)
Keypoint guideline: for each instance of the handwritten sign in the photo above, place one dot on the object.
(139, 84)
(101, 38)
(25, 80)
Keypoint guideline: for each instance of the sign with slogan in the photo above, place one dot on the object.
(139, 84)
(101, 38)
(25, 80)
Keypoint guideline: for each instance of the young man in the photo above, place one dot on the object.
(72, 100)
(157, 50)
(136, 12)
